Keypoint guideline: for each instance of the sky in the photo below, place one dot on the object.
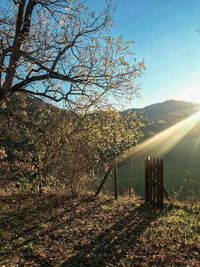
(166, 37)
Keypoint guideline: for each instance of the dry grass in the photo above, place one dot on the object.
(56, 230)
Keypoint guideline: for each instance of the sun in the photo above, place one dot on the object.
(190, 92)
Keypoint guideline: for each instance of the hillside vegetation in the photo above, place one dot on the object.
(44, 131)
(50, 229)
(44, 146)
(181, 162)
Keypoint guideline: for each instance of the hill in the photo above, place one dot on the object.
(156, 117)
(181, 162)
(160, 116)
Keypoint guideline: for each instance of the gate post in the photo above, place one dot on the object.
(115, 180)
(146, 179)
(154, 182)
(160, 185)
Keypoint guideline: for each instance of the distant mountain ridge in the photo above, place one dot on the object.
(167, 107)
(156, 117)
(160, 116)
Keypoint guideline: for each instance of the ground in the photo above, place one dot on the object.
(57, 230)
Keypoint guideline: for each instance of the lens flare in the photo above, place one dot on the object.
(161, 143)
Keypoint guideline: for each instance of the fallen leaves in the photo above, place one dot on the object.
(96, 232)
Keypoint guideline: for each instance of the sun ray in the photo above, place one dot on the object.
(161, 143)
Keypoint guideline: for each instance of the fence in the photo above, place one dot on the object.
(154, 182)
(154, 189)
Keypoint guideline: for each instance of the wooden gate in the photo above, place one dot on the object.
(154, 182)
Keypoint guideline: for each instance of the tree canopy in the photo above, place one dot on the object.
(63, 51)
(42, 144)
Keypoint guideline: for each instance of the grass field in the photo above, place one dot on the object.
(57, 230)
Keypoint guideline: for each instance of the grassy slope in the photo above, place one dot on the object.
(54, 230)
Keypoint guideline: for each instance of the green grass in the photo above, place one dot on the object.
(56, 230)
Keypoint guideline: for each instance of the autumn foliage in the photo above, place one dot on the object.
(47, 147)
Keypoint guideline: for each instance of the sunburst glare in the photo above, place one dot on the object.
(161, 143)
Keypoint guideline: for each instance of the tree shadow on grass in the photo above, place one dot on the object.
(73, 232)
(113, 244)
(26, 213)
(25, 223)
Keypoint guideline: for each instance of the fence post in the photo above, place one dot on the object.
(115, 180)
(160, 185)
(146, 178)
(154, 182)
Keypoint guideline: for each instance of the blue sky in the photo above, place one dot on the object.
(165, 35)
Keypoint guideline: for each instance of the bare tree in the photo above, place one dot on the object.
(60, 50)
